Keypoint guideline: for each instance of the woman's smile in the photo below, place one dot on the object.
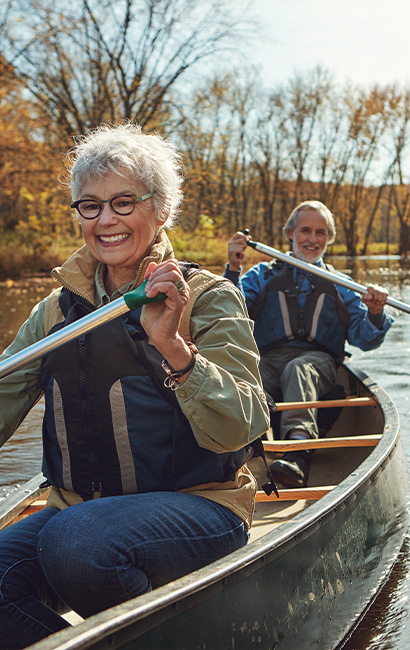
(113, 239)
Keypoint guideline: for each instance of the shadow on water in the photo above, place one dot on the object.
(386, 624)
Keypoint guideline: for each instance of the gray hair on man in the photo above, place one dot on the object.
(312, 205)
(123, 148)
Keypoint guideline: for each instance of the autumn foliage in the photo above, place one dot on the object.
(250, 154)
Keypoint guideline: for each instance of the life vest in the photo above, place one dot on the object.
(279, 318)
(110, 424)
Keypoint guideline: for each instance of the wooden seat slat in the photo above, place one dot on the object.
(322, 443)
(40, 504)
(295, 494)
(331, 403)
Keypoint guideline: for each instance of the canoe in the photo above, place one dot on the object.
(316, 558)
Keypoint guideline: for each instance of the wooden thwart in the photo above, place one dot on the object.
(322, 443)
(37, 505)
(295, 494)
(330, 403)
(40, 504)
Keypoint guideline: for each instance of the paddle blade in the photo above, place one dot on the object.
(138, 297)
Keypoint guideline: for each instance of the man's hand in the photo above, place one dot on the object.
(236, 250)
(375, 298)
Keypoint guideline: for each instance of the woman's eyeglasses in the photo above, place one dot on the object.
(91, 208)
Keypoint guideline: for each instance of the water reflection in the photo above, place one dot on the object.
(20, 457)
(384, 626)
(16, 301)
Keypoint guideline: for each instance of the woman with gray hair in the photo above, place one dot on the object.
(147, 418)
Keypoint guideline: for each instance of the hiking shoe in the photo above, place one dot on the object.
(292, 469)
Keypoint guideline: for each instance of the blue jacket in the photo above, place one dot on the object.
(110, 424)
(293, 307)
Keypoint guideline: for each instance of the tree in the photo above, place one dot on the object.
(304, 102)
(25, 160)
(399, 139)
(241, 171)
(205, 133)
(91, 61)
(402, 204)
(286, 146)
(367, 118)
(270, 160)
(215, 136)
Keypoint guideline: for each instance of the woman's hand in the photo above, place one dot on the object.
(375, 299)
(161, 320)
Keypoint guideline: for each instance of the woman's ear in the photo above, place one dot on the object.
(164, 216)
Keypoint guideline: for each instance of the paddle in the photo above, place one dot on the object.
(127, 302)
(316, 270)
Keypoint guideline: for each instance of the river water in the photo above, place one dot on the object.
(386, 626)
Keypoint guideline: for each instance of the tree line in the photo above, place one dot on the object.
(251, 153)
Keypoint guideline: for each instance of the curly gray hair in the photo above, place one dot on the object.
(153, 160)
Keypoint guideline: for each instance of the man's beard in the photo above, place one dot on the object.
(311, 260)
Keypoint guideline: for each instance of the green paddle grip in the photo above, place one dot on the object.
(138, 297)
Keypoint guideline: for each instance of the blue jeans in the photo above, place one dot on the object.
(100, 553)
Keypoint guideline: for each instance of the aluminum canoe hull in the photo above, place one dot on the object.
(304, 585)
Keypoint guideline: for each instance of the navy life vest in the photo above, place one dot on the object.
(279, 318)
(110, 424)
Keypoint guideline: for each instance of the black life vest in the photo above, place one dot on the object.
(110, 424)
(279, 318)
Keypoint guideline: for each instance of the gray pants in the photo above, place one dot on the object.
(294, 374)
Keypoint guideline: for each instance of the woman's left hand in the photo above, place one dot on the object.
(161, 319)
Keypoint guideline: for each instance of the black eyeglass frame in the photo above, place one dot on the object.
(136, 199)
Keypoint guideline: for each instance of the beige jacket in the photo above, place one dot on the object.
(222, 398)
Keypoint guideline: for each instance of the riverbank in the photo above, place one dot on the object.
(206, 246)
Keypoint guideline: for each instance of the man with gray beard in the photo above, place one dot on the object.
(301, 324)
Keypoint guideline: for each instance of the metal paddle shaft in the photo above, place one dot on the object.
(316, 270)
(127, 302)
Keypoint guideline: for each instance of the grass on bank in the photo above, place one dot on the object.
(207, 246)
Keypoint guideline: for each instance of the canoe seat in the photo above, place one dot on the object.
(347, 401)
(35, 506)
(295, 494)
(283, 446)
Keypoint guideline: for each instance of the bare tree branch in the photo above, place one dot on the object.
(95, 60)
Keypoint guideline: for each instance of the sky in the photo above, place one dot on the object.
(363, 41)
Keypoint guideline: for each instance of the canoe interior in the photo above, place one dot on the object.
(329, 466)
(311, 567)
